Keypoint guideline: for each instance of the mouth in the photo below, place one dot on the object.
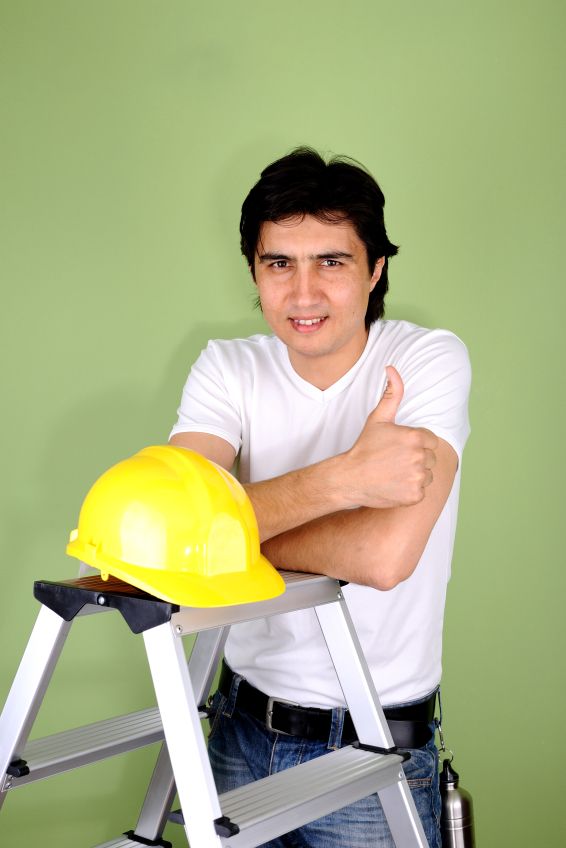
(308, 325)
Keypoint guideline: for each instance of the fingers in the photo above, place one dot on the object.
(430, 441)
(428, 479)
(386, 409)
(430, 459)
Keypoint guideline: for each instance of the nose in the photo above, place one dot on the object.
(306, 289)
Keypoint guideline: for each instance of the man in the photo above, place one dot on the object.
(349, 431)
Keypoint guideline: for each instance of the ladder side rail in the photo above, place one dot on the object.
(203, 663)
(354, 675)
(183, 734)
(158, 799)
(368, 718)
(28, 688)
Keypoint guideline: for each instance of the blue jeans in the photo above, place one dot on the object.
(242, 749)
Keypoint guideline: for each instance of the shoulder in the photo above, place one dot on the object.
(239, 362)
(257, 347)
(435, 368)
(405, 335)
(411, 347)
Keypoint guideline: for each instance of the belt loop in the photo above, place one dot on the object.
(336, 728)
(231, 700)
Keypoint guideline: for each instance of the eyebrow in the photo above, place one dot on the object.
(329, 254)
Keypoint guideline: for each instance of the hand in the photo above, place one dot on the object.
(389, 465)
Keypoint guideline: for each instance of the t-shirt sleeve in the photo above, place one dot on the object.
(206, 406)
(437, 376)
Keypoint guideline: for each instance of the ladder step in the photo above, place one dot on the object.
(289, 799)
(81, 746)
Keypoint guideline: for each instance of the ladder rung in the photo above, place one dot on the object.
(80, 746)
(289, 799)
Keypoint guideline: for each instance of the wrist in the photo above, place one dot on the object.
(338, 489)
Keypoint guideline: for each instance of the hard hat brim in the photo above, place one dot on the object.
(257, 584)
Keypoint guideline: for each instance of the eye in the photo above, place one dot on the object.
(279, 263)
(330, 263)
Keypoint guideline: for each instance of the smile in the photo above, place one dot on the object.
(308, 325)
(308, 322)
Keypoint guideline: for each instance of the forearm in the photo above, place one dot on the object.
(301, 496)
(372, 547)
(392, 472)
(357, 545)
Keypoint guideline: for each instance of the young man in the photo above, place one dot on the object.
(349, 431)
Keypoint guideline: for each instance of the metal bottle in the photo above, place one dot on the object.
(457, 820)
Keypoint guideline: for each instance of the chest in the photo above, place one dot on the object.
(284, 429)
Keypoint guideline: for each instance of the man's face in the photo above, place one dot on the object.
(314, 284)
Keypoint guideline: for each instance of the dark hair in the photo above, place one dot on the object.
(302, 183)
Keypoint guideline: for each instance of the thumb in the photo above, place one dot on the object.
(386, 409)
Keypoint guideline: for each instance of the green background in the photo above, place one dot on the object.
(130, 132)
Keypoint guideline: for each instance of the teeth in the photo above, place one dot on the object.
(308, 321)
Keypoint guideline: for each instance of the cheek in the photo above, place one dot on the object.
(270, 303)
(352, 299)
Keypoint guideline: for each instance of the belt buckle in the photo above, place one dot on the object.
(269, 714)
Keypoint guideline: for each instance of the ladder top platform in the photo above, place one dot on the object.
(143, 611)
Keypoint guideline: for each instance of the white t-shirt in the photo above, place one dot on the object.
(247, 392)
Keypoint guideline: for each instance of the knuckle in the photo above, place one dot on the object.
(416, 438)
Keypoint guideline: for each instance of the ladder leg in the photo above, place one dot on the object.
(183, 735)
(370, 723)
(158, 800)
(203, 662)
(31, 680)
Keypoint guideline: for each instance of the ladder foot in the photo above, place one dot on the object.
(18, 768)
(161, 843)
(224, 827)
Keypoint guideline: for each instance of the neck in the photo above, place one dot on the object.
(323, 372)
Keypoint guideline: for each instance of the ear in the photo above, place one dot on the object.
(378, 268)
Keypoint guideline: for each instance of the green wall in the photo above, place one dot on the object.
(130, 131)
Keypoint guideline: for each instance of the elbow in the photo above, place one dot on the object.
(384, 580)
(387, 572)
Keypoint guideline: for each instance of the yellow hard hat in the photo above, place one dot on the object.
(177, 526)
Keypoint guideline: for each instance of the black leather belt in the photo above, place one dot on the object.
(409, 726)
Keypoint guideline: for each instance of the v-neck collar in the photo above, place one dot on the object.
(323, 396)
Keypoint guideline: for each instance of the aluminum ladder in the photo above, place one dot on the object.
(247, 816)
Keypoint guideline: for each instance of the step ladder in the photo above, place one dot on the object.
(247, 816)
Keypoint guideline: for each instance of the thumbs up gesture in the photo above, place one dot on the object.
(389, 464)
(386, 409)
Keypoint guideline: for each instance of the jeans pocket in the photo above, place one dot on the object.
(422, 776)
(215, 710)
(421, 769)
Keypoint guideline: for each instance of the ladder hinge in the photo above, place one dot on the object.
(225, 827)
(161, 843)
(67, 598)
(18, 768)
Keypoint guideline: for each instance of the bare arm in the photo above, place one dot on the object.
(388, 466)
(307, 522)
(212, 447)
(372, 547)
